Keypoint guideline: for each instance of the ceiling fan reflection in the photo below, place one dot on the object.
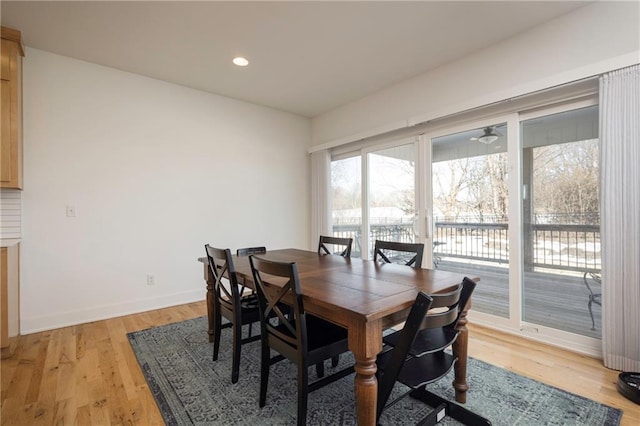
(490, 134)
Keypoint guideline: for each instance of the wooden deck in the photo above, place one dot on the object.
(552, 300)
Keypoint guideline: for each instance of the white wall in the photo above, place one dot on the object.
(591, 40)
(154, 171)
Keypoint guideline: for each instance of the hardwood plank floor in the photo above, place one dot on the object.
(88, 375)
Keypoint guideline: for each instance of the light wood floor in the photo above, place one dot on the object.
(88, 374)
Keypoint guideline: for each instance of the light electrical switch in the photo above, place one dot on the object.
(71, 210)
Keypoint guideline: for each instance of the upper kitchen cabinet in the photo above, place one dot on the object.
(11, 92)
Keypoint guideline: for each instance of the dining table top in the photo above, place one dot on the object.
(360, 288)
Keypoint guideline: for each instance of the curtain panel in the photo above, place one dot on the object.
(320, 196)
(620, 217)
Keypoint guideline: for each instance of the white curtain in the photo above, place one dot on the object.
(320, 199)
(620, 215)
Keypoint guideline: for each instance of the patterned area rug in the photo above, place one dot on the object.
(191, 389)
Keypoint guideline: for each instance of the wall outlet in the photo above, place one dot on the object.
(71, 210)
(151, 279)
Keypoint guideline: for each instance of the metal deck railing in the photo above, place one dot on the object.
(569, 247)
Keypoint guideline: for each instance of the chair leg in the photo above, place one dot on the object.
(264, 374)
(236, 344)
(217, 328)
(593, 322)
(320, 369)
(335, 360)
(303, 393)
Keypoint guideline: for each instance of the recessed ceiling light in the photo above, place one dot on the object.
(240, 61)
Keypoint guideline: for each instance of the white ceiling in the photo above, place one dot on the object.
(306, 57)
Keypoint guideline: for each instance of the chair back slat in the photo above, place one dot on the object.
(440, 319)
(383, 249)
(246, 251)
(454, 302)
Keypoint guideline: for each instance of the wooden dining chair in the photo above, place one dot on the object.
(409, 254)
(416, 355)
(335, 243)
(301, 338)
(230, 303)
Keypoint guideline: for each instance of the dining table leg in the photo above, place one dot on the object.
(460, 348)
(208, 278)
(365, 342)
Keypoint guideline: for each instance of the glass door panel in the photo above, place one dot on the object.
(392, 195)
(346, 200)
(561, 221)
(470, 216)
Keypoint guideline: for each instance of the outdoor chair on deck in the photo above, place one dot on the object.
(300, 337)
(415, 356)
(594, 297)
(436, 257)
(230, 303)
(336, 242)
(386, 251)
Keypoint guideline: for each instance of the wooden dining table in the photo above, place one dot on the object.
(366, 298)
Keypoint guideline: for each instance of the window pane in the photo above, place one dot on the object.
(470, 216)
(392, 195)
(346, 196)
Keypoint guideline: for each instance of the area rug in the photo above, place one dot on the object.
(191, 389)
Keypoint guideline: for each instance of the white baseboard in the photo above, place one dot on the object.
(97, 313)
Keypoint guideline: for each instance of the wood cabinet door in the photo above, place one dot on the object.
(6, 163)
(7, 52)
(9, 110)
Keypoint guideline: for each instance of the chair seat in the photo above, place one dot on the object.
(420, 371)
(249, 302)
(320, 334)
(427, 340)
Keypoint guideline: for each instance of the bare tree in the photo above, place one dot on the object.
(566, 180)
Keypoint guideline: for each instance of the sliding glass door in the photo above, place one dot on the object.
(513, 199)
(561, 221)
(470, 211)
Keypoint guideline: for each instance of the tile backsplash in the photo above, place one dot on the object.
(10, 213)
